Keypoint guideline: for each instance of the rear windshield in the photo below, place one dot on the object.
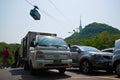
(51, 41)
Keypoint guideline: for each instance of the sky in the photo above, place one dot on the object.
(57, 16)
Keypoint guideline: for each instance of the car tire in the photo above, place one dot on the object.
(118, 69)
(26, 66)
(32, 71)
(109, 70)
(86, 67)
(62, 70)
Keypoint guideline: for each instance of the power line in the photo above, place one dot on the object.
(29, 3)
(52, 17)
(58, 9)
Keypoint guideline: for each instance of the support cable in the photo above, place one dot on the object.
(29, 3)
(58, 10)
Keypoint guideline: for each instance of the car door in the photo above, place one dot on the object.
(74, 54)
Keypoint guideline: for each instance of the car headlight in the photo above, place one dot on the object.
(97, 56)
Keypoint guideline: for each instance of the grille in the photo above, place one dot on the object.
(108, 57)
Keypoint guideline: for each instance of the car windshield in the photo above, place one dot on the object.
(51, 41)
(88, 48)
(108, 50)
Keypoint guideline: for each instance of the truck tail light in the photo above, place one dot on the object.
(39, 55)
(69, 53)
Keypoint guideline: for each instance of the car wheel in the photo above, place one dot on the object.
(86, 67)
(118, 69)
(32, 71)
(62, 70)
(109, 70)
(26, 66)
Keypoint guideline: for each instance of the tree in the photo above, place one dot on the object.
(95, 34)
(12, 48)
(102, 40)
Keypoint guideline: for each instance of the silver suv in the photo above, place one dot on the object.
(116, 57)
(89, 58)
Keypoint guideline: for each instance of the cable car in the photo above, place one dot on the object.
(35, 14)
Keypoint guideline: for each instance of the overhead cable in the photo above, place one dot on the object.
(29, 3)
(52, 17)
(58, 9)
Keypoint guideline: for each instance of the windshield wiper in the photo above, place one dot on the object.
(44, 45)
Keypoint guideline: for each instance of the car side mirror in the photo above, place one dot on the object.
(78, 50)
(32, 44)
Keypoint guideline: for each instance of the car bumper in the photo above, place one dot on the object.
(102, 64)
(52, 64)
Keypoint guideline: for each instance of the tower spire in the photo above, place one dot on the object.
(80, 27)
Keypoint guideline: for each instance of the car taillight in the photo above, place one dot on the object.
(39, 54)
(69, 53)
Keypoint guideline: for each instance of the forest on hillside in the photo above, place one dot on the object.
(95, 34)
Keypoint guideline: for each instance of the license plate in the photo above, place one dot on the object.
(57, 62)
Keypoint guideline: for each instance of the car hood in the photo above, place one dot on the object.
(101, 53)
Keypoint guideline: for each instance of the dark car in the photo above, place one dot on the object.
(89, 58)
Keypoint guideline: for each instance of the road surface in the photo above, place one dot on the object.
(70, 74)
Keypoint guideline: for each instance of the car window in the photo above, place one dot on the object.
(51, 41)
(87, 48)
(108, 51)
(117, 44)
(73, 49)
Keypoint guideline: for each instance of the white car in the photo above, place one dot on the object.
(45, 51)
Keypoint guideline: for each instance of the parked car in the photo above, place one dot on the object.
(108, 50)
(116, 57)
(41, 51)
(88, 58)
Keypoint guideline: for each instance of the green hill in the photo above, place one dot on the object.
(96, 28)
(93, 30)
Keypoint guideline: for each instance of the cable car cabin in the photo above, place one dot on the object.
(35, 14)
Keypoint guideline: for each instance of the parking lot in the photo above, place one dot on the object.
(70, 74)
